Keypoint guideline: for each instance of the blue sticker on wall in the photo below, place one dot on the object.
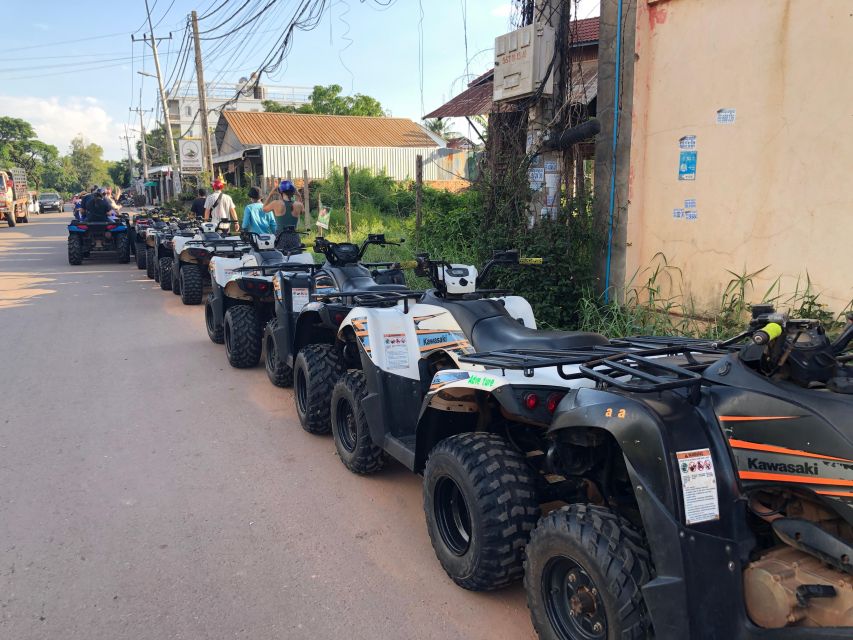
(687, 165)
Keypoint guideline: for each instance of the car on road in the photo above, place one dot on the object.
(50, 201)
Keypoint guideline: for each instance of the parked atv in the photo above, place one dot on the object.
(301, 338)
(164, 252)
(84, 238)
(697, 482)
(191, 257)
(139, 225)
(241, 300)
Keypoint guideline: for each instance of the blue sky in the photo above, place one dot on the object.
(71, 66)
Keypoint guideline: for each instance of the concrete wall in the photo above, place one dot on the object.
(773, 188)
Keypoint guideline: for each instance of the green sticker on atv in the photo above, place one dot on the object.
(482, 381)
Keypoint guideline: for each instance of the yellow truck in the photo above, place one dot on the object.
(14, 196)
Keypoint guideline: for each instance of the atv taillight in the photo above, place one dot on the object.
(110, 227)
(251, 285)
(82, 227)
(553, 401)
(198, 253)
(531, 401)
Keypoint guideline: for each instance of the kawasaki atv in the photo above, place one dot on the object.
(191, 257)
(300, 339)
(241, 299)
(707, 488)
(84, 238)
(139, 225)
(163, 250)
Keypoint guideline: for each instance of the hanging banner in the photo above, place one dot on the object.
(190, 152)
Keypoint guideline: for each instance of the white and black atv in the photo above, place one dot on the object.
(191, 257)
(241, 300)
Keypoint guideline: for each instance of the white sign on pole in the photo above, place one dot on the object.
(190, 150)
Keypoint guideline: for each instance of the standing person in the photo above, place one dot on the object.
(255, 219)
(220, 207)
(197, 207)
(287, 212)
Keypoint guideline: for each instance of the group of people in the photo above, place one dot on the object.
(270, 216)
(97, 206)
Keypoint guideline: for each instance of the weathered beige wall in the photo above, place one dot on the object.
(776, 187)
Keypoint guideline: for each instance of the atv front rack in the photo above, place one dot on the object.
(630, 364)
(272, 269)
(371, 297)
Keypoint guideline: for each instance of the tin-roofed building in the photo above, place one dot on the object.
(269, 145)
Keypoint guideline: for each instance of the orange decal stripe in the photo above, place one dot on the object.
(840, 494)
(754, 418)
(744, 444)
(785, 477)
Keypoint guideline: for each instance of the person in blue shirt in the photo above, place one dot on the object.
(255, 219)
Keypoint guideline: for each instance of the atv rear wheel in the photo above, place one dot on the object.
(192, 284)
(315, 372)
(75, 250)
(139, 250)
(149, 262)
(165, 270)
(123, 248)
(481, 505)
(584, 570)
(214, 332)
(176, 277)
(242, 333)
(277, 371)
(349, 426)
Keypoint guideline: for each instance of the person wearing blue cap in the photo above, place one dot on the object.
(288, 210)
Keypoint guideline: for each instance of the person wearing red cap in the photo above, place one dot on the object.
(219, 206)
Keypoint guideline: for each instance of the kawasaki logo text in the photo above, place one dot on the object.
(784, 467)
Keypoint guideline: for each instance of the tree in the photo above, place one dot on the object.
(120, 172)
(328, 100)
(156, 147)
(87, 163)
(441, 127)
(19, 147)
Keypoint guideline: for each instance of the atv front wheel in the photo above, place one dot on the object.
(123, 249)
(315, 372)
(75, 250)
(242, 333)
(149, 262)
(192, 284)
(139, 250)
(481, 505)
(277, 371)
(165, 269)
(584, 570)
(349, 426)
(215, 332)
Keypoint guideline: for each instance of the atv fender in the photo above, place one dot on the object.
(315, 325)
(217, 303)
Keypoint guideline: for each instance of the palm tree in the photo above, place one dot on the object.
(441, 128)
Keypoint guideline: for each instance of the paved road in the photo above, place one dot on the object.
(149, 491)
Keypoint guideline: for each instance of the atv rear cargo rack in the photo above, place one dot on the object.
(371, 297)
(272, 269)
(628, 363)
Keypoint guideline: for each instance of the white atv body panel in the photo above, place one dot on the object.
(520, 309)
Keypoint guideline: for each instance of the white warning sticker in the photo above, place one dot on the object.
(396, 350)
(300, 298)
(699, 485)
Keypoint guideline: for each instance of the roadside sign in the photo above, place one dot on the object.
(190, 151)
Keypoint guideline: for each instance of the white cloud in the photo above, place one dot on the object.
(41, 26)
(58, 120)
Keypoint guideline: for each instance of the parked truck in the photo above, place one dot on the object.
(14, 196)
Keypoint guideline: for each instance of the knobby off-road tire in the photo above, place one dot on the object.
(481, 505)
(215, 333)
(587, 556)
(242, 336)
(277, 371)
(315, 372)
(123, 248)
(75, 250)
(176, 277)
(349, 426)
(149, 262)
(140, 251)
(165, 269)
(192, 285)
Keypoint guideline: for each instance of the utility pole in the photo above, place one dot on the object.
(548, 165)
(173, 160)
(126, 137)
(141, 111)
(202, 100)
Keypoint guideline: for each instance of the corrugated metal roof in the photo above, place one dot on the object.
(253, 128)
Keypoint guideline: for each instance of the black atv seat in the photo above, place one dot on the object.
(355, 277)
(210, 235)
(491, 328)
(270, 257)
